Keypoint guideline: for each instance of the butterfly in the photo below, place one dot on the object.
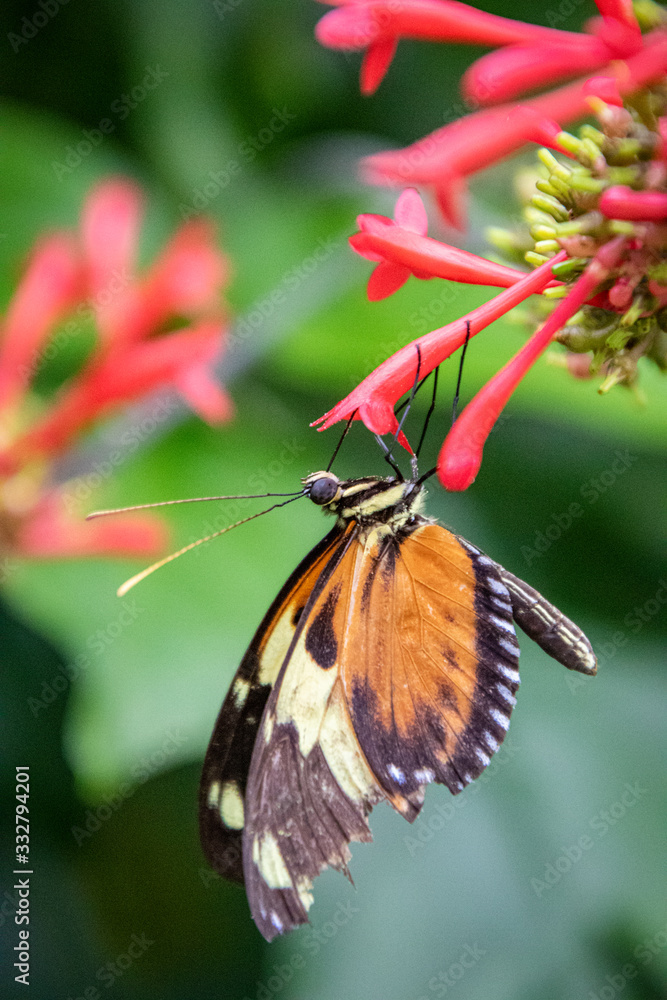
(388, 661)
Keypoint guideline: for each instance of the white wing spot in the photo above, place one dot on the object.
(276, 921)
(231, 806)
(485, 561)
(502, 624)
(509, 672)
(511, 647)
(484, 758)
(425, 775)
(213, 797)
(240, 689)
(506, 694)
(303, 886)
(491, 742)
(270, 862)
(396, 773)
(501, 719)
(503, 606)
(496, 586)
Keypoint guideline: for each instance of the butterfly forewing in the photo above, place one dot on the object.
(430, 665)
(223, 783)
(310, 787)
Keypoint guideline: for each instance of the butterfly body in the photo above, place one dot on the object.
(388, 661)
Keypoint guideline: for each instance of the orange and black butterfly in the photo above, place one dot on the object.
(388, 661)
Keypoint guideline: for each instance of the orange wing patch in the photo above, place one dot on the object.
(431, 671)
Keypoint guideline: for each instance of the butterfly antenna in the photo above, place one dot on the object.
(455, 404)
(342, 438)
(388, 457)
(167, 503)
(134, 580)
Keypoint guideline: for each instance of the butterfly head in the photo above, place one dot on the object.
(370, 499)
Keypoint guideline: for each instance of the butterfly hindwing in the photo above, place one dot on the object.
(310, 788)
(224, 777)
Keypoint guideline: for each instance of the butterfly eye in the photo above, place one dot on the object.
(324, 490)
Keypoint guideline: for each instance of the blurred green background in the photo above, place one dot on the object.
(491, 894)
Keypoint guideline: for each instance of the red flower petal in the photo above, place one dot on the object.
(463, 147)
(373, 223)
(386, 279)
(357, 25)
(110, 222)
(509, 72)
(53, 533)
(433, 259)
(121, 377)
(410, 213)
(605, 88)
(374, 399)
(620, 202)
(461, 454)
(190, 272)
(375, 64)
(204, 395)
(48, 289)
(619, 10)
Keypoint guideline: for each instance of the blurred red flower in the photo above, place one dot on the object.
(154, 330)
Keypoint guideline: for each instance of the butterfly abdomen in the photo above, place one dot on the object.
(548, 627)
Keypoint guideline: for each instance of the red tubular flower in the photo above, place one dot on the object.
(620, 202)
(52, 532)
(113, 381)
(449, 155)
(461, 454)
(374, 399)
(530, 57)
(517, 69)
(377, 26)
(95, 273)
(132, 361)
(110, 224)
(402, 248)
(617, 285)
(185, 280)
(47, 292)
